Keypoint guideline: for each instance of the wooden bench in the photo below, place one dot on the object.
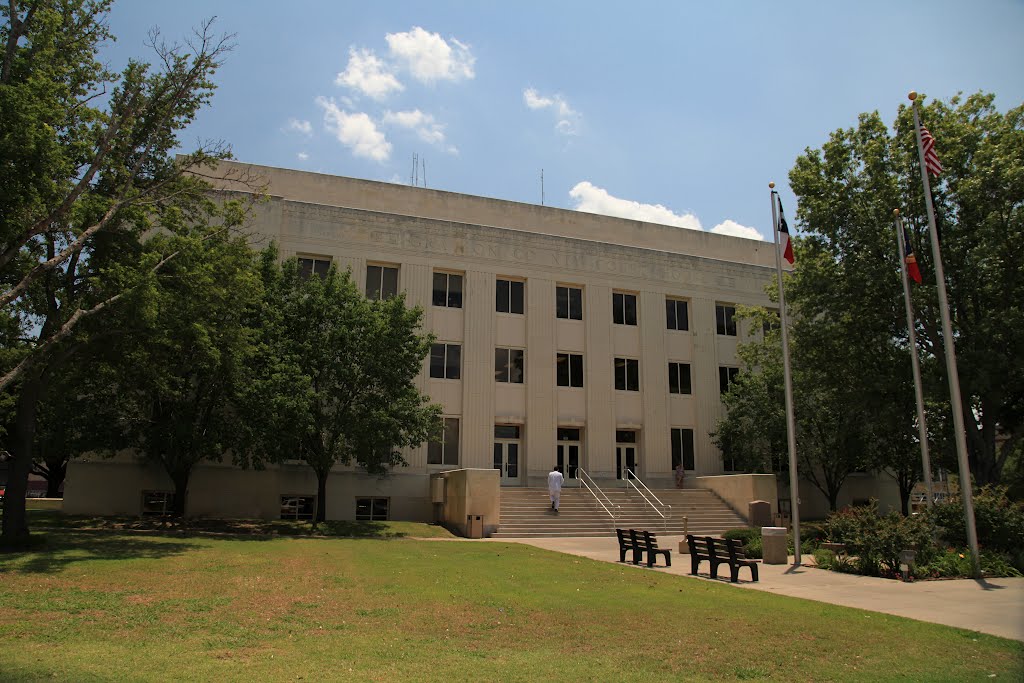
(649, 545)
(628, 541)
(719, 551)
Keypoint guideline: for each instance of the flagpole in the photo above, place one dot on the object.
(951, 372)
(922, 429)
(794, 491)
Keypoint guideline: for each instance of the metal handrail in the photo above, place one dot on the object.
(580, 470)
(630, 476)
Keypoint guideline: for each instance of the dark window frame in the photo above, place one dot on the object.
(313, 265)
(166, 502)
(446, 451)
(373, 504)
(624, 309)
(673, 319)
(569, 372)
(725, 320)
(726, 376)
(568, 302)
(510, 295)
(505, 365)
(676, 382)
(446, 368)
(381, 281)
(303, 511)
(627, 374)
(449, 294)
(682, 448)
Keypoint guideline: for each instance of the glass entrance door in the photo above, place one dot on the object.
(506, 453)
(568, 459)
(626, 460)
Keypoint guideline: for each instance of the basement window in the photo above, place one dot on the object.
(372, 509)
(157, 503)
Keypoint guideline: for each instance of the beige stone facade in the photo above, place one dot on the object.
(610, 422)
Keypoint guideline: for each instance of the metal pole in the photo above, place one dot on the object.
(951, 372)
(922, 429)
(794, 491)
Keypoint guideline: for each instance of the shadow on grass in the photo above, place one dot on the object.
(242, 529)
(55, 552)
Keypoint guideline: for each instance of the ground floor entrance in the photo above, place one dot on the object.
(627, 458)
(507, 450)
(569, 452)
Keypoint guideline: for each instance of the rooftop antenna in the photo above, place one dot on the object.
(542, 187)
(414, 176)
(424, 162)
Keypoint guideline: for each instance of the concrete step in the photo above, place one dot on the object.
(526, 513)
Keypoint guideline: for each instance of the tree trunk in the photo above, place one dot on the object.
(905, 502)
(15, 520)
(833, 497)
(321, 496)
(55, 474)
(180, 480)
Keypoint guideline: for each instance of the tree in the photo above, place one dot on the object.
(336, 376)
(181, 371)
(847, 191)
(830, 414)
(87, 173)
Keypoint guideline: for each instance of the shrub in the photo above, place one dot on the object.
(876, 540)
(999, 521)
(824, 558)
(754, 548)
(742, 535)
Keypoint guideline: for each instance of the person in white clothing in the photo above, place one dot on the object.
(555, 487)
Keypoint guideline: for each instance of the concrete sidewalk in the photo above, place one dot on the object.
(994, 606)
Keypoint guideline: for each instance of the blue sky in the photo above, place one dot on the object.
(674, 112)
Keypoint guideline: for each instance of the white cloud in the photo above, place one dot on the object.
(430, 58)
(356, 131)
(425, 125)
(597, 200)
(368, 74)
(302, 156)
(297, 126)
(594, 199)
(730, 227)
(568, 118)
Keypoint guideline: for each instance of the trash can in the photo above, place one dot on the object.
(759, 513)
(773, 544)
(474, 526)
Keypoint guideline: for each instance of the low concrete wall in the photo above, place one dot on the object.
(115, 486)
(738, 490)
(471, 492)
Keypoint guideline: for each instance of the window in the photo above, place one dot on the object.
(569, 303)
(313, 265)
(506, 431)
(448, 290)
(568, 434)
(725, 317)
(298, 507)
(508, 365)
(381, 282)
(509, 296)
(446, 451)
(372, 509)
(677, 315)
(682, 448)
(726, 376)
(625, 436)
(157, 503)
(569, 368)
(679, 378)
(627, 374)
(445, 361)
(623, 308)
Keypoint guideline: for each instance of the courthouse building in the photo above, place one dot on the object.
(564, 338)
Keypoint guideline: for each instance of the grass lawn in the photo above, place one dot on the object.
(106, 605)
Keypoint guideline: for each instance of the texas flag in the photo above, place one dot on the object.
(786, 244)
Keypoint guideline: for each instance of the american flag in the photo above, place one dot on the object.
(931, 159)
